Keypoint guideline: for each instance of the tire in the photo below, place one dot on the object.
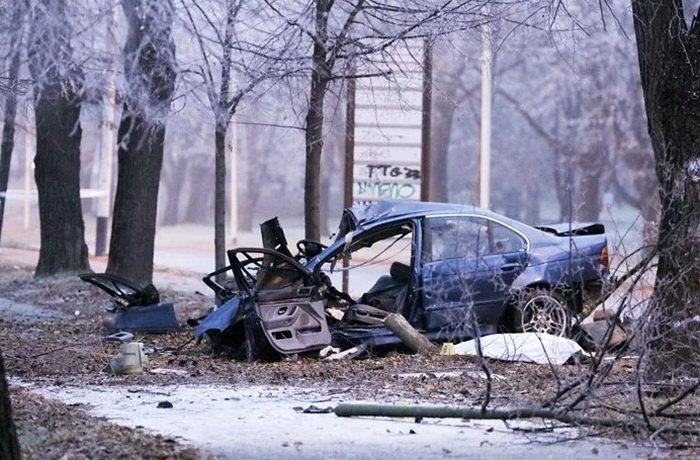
(542, 310)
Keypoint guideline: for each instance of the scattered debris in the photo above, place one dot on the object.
(314, 410)
(447, 349)
(600, 330)
(163, 371)
(350, 353)
(448, 374)
(131, 358)
(135, 308)
(119, 337)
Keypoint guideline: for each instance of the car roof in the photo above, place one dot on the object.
(390, 210)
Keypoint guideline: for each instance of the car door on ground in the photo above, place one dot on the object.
(469, 264)
(283, 295)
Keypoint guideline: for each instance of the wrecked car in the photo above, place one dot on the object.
(453, 271)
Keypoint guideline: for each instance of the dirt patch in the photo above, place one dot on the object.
(52, 430)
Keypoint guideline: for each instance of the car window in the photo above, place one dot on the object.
(505, 240)
(456, 238)
(368, 256)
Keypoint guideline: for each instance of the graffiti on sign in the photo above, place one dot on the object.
(379, 170)
(388, 139)
(386, 190)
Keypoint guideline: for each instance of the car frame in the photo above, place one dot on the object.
(490, 273)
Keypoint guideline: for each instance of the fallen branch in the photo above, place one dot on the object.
(429, 411)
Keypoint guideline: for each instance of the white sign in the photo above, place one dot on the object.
(388, 130)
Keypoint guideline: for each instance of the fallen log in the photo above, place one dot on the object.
(478, 413)
(410, 337)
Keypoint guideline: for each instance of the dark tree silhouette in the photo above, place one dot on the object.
(57, 104)
(149, 67)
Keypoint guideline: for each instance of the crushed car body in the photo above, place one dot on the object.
(453, 271)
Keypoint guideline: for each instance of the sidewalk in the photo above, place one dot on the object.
(184, 248)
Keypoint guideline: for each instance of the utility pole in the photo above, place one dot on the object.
(233, 181)
(486, 97)
(106, 152)
(426, 163)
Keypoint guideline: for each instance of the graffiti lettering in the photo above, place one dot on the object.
(384, 170)
(386, 190)
(374, 155)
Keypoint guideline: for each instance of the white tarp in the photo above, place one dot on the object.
(529, 347)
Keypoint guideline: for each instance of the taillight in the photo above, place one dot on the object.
(604, 260)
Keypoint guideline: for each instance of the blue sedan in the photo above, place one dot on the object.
(453, 271)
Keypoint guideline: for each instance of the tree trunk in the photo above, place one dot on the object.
(320, 74)
(149, 55)
(10, 114)
(447, 77)
(9, 447)
(591, 166)
(220, 197)
(173, 177)
(223, 114)
(669, 61)
(199, 196)
(57, 104)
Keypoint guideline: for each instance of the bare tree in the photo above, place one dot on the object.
(244, 57)
(668, 50)
(58, 83)
(149, 67)
(340, 35)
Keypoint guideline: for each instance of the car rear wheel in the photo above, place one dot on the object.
(544, 311)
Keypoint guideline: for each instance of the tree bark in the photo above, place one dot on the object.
(223, 114)
(149, 57)
(9, 446)
(320, 75)
(57, 104)
(669, 62)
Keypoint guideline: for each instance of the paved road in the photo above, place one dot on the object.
(261, 422)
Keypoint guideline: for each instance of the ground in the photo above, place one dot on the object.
(57, 340)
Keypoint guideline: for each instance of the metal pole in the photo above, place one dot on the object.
(485, 140)
(349, 159)
(28, 172)
(104, 172)
(426, 121)
(106, 152)
(233, 178)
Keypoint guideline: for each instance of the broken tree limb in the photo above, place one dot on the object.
(476, 413)
(410, 337)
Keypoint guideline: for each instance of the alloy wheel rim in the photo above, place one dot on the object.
(544, 314)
